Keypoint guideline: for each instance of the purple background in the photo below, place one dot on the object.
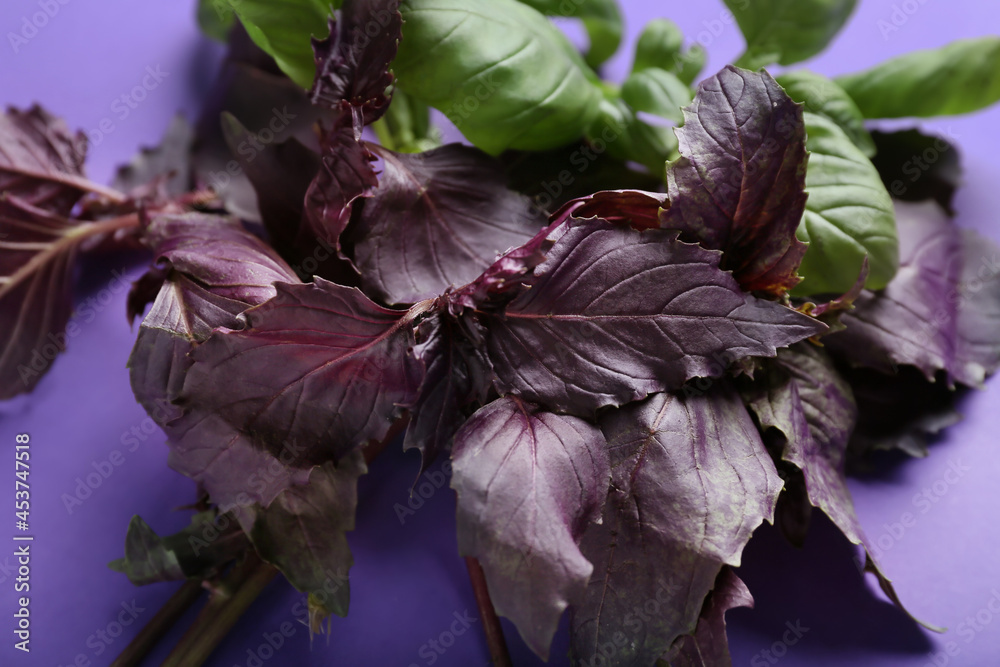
(408, 581)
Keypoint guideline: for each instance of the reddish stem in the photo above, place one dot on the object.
(159, 625)
(491, 622)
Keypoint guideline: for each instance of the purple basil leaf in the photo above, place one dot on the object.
(940, 312)
(740, 183)
(352, 64)
(915, 166)
(211, 270)
(637, 208)
(219, 254)
(437, 220)
(318, 365)
(303, 532)
(614, 314)
(529, 482)
(458, 376)
(41, 163)
(280, 175)
(899, 411)
(231, 465)
(346, 174)
(183, 313)
(690, 481)
(805, 398)
(162, 171)
(708, 646)
(272, 107)
(41, 179)
(187, 554)
(37, 256)
(505, 278)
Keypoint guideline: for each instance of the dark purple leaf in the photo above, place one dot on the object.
(708, 646)
(458, 377)
(739, 186)
(940, 312)
(303, 532)
(230, 465)
(690, 481)
(506, 276)
(352, 64)
(163, 171)
(915, 166)
(529, 482)
(272, 108)
(639, 209)
(346, 174)
(37, 254)
(805, 398)
(41, 163)
(211, 271)
(614, 314)
(280, 175)
(219, 254)
(899, 411)
(183, 313)
(437, 220)
(41, 179)
(319, 365)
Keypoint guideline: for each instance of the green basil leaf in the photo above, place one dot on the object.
(215, 18)
(958, 78)
(787, 31)
(406, 126)
(627, 137)
(504, 75)
(848, 215)
(601, 19)
(656, 91)
(660, 46)
(824, 97)
(283, 31)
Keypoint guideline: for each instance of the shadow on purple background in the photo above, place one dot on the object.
(408, 581)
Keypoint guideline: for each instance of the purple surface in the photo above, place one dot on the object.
(408, 581)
